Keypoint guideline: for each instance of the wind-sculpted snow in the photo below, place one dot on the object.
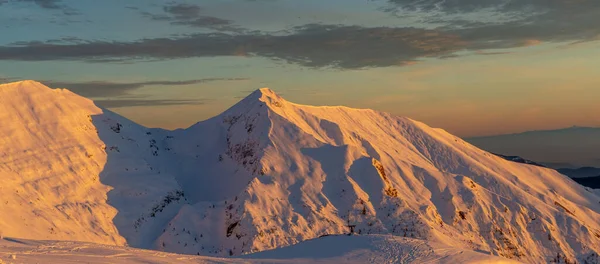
(340, 249)
(268, 173)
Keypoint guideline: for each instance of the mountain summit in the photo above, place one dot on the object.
(269, 173)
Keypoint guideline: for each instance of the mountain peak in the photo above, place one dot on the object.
(33, 101)
(266, 91)
(25, 84)
(264, 95)
(255, 100)
(31, 88)
(24, 91)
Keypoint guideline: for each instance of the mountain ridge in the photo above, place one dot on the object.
(268, 173)
(571, 147)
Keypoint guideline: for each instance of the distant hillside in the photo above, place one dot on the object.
(592, 182)
(519, 160)
(572, 147)
(586, 176)
(583, 172)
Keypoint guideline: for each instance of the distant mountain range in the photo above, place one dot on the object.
(572, 151)
(584, 172)
(268, 173)
(586, 176)
(520, 160)
(592, 182)
(572, 147)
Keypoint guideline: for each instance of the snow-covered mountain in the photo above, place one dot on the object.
(269, 173)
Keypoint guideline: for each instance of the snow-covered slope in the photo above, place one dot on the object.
(268, 173)
(374, 249)
(70, 170)
(340, 249)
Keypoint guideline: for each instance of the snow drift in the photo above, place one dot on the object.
(268, 173)
(340, 249)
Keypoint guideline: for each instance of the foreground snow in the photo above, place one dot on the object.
(268, 173)
(331, 249)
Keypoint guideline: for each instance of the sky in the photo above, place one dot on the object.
(471, 67)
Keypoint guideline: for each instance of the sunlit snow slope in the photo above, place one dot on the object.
(268, 173)
(340, 249)
(70, 170)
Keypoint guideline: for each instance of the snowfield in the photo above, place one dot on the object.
(267, 174)
(340, 249)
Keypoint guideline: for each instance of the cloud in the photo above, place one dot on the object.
(453, 26)
(145, 102)
(47, 4)
(480, 52)
(508, 23)
(95, 89)
(468, 6)
(315, 45)
(183, 11)
(62, 40)
(7, 79)
(352, 47)
(476, 26)
(120, 93)
(190, 15)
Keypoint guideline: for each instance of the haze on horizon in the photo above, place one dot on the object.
(472, 68)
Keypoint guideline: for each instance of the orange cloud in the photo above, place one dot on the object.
(531, 42)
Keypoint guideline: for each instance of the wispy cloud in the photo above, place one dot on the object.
(191, 15)
(145, 102)
(459, 26)
(7, 79)
(479, 52)
(118, 94)
(96, 89)
(47, 4)
(509, 23)
(315, 45)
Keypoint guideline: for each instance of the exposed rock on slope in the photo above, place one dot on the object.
(268, 173)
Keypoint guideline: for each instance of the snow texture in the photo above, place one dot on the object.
(340, 249)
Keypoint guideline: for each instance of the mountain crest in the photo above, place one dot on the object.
(267, 93)
(24, 84)
(255, 101)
